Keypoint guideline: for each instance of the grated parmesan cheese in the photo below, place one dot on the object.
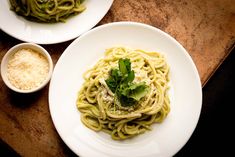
(27, 69)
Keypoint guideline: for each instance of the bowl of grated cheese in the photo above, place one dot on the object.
(26, 68)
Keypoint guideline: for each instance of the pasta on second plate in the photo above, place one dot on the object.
(48, 11)
(125, 92)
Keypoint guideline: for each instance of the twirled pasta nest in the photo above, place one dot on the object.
(96, 102)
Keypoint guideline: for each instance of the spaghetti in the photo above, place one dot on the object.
(48, 11)
(96, 102)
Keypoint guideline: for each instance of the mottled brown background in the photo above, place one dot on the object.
(205, 28)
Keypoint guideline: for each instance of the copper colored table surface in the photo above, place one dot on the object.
(205, 28)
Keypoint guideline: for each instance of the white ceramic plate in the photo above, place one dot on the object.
(185, 93)
(40, 33)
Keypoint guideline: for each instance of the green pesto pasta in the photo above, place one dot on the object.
(47, 11)
(97, 105)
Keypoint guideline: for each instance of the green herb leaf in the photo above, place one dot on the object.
(111, 84)
(125, 101)
(138, 91)
(135, 91)
(130, 77)
(127, 62)
(114, 80)
(116, 75)
(124, 66)
(120, 83)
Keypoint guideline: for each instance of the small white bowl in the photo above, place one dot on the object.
(13, 50)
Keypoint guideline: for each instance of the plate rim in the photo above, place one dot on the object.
(55, 41)
(189, 58)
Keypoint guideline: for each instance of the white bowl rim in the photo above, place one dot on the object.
(13, 50)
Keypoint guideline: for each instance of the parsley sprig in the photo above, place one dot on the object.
(120, 82)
